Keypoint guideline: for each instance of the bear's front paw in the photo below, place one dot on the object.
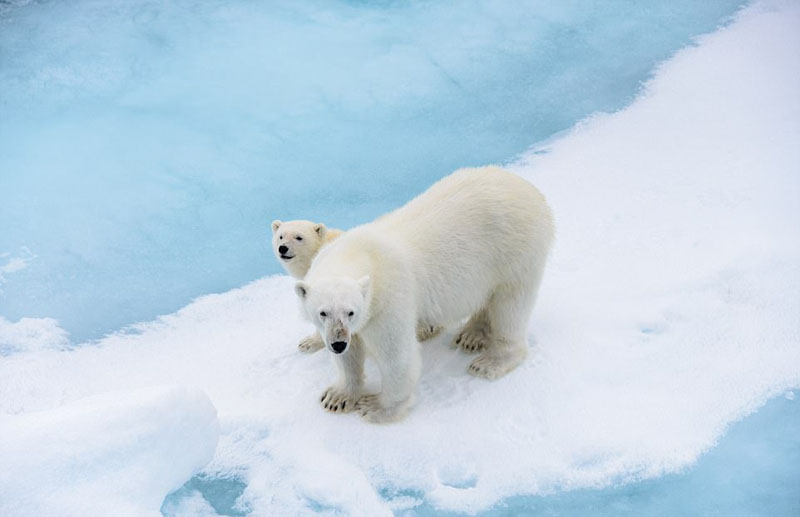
(371, 410)
(369, 407)
(337, 400)
(367, 403)
(426, 332)
(311, 344)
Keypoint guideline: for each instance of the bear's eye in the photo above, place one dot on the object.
(299, 238)
(323, 314)
(280, 237)
(351, 313)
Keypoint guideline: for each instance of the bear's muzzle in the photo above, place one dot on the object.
(340, 338)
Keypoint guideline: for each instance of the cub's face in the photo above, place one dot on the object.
(337, 307)
(296, 243)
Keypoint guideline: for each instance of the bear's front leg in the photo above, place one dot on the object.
(343, 396)
(398, 359)
(311, 344)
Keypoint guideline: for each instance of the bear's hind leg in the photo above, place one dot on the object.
(508, 311)
(474, 337)
(343, 396)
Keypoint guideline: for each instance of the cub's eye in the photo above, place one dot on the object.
(323, 314)
(299, 238)
(280, 237)
(351, 313)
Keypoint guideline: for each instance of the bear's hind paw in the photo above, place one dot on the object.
(472, 340)
(493, 365)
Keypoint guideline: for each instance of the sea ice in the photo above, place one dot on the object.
(669, 310)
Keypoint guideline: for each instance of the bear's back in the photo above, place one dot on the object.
(486, 204)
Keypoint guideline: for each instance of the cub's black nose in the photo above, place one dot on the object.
(283, 249)
(339, 346)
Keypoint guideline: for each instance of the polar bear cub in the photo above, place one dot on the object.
(474, 245)
(295, 244)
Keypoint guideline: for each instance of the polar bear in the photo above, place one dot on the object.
(295, 244)
(473, 246)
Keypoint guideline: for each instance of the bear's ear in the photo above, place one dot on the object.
(275, 225)
(363, 283)
(301, 288)
(321, 229)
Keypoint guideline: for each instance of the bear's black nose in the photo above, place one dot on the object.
(339, 346)
(283, 249)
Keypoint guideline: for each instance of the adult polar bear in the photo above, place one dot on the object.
(295, 244)
(474, 245)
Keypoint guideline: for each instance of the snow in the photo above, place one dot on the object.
(117, 453)
(668, 311)
(31, 334)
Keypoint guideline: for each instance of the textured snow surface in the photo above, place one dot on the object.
(669, 310)
(112, 454)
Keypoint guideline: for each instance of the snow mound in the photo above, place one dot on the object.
(117, 453)
(669, 310)
(29, 334)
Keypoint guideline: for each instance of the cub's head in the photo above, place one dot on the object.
(296, 243)
(338, 308)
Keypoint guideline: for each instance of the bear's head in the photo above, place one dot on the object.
(296, 243)
(338, 307)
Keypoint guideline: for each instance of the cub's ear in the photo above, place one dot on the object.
(321, 230)
(275, 225)
(301, 288)
(363, 283)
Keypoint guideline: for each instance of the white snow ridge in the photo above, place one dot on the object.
(669, 310)
(111, 454)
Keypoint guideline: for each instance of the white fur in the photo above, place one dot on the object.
(313, 236)
(474, 245)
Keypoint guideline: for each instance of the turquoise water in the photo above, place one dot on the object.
(146, 145)
(220, 493)
(753, 471)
